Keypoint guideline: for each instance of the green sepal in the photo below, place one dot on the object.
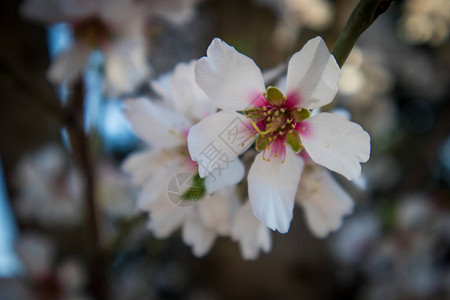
(301, 115)
(261, 142)
(274, 96)
(293, 139)
(196, 191)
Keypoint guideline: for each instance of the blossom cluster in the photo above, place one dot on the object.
(208, 113)
(225, 154)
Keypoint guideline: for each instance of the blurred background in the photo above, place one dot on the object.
(396, 84)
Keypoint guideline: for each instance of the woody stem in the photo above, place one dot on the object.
(79, 142)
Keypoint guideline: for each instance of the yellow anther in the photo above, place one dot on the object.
(268, 119)
(275, 137)
(269, 112)
(292, 125)
(299, 109)
(282, 161)
(281, 132)
(265, 108)
(265, 114)
(276, 155)
(264, 158)
(288, 121)
(303, 128)
(291, 131)
(270, 139)
(268, 148)
(282, 110)
(277, 113)
(283, 126)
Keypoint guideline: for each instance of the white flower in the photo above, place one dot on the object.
(251, 234)
(172, 191)
(113, 26)
(49, 192)
(281, 125)
(324, 201)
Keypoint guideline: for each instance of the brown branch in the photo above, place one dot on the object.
(81, 151)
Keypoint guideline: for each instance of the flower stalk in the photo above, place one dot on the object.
(364, 14)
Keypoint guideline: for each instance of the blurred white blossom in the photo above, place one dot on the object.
(116, 27)
(37, 253)
(172, 192)
(364, 88)
(63, 278)
(49, 190)
(293, 15)
(425, 22)
(354, 242)
(175, 11)
(114, 192)
(324, 201)
(252, 235)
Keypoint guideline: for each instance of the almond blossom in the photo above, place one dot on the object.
(113, 26)
(281, 125)
(172, 192)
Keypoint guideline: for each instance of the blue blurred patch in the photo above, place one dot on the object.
(9, 262)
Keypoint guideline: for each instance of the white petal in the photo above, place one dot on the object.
(141, 165)
(156, 124)
(165, 218)
(230, 79)
(324, 201)
(126, 66)
(251, 234)
(218, 139)
(180, 89)
(218, 210)
(156, 188)
(223, 176)
(313, 75)
(336, 143)
(68, 66)
(272, 187)
(165, 215)
(197, 235)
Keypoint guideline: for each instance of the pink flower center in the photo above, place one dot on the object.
(277, 124)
